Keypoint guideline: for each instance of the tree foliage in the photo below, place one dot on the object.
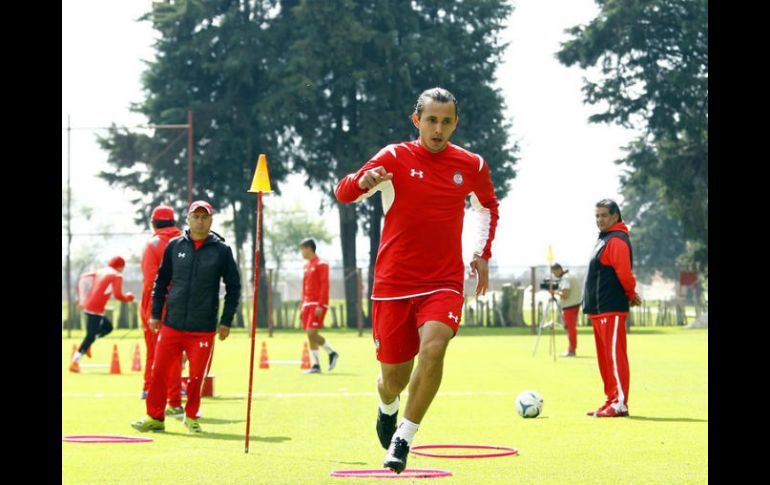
(652, 61)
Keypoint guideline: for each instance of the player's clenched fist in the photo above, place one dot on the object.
(373, 177)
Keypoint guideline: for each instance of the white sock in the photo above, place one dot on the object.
(314, 353)
(390, 409)
(406, 430)
(328, 348)
(77, 356)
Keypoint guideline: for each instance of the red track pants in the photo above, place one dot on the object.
(570, 316)
(175, 382)
(199, 348)
(610, 336)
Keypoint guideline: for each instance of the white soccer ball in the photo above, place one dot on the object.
(529, 404)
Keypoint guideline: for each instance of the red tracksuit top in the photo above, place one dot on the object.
(105, 281)
(617, 255)
(151, 258)
(315, 283)
(424, 204)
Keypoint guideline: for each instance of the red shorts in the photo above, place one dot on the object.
(309, 320)
(395, 323)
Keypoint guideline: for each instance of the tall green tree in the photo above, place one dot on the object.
(353, 72)
(657, 236)
(214, 58)
(286, 230)
(652, 61)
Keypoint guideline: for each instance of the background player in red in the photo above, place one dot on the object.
(315, 302)
(94, 290)
(418, 278)
(609, 290)
(190, 273)
(162, 221)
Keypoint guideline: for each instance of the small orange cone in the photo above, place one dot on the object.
(137, 365)
(263, 361)
(74, 349)
(305, 358)
(115, 367)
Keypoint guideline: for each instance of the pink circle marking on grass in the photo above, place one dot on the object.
(101, 438)
(385, 473)
(507, 451)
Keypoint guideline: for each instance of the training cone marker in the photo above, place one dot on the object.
(305, 358)
(115, 367)
(263, 361)
(261, 180)
(137, 364)
(74, 349)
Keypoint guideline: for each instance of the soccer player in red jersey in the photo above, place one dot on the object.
(315, 302)
(418, 278)
(94, 290)
(162, 221)
(610, 288)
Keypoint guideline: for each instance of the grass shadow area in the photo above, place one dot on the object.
(677, 420)
(232, 437)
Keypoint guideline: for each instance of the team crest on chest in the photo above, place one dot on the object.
(458, 178)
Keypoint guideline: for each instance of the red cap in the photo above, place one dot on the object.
(162, 213)
(117, 262)
(200, 203)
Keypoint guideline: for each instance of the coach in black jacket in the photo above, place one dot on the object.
(190, 273)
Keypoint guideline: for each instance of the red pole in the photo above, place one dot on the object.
(254, 317)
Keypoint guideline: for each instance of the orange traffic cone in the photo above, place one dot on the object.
(74, 349)
(137, 365)
(305, 358)
(263, 361)
(115, 367)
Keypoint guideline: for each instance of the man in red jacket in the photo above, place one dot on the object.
(610, 288)
(162, 221)
(419, 273)
(94, 290)
(315, 302)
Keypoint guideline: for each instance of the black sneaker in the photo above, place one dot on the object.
(396, 457)
(316, 369)
(386, 427)
(333, 360)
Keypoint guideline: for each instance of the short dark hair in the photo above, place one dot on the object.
(557, 266)
(308, 243)
(611, 205)
(436, 94)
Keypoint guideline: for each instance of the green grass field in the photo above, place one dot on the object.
(305, 426)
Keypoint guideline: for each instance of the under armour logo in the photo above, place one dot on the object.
(203, 344)
(602, 321)
(180, 255)
(416, 173)
(454, 317)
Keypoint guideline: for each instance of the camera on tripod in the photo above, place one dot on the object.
(548, 283)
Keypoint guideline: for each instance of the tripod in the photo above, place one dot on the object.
(551, 318)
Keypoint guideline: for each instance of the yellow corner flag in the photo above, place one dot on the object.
(261, 181)
(550, 255)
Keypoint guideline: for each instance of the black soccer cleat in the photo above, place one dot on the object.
(333, 360)
(397, 454)
(386, 427)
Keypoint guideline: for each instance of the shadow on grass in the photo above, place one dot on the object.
(205, 420)
(232, 437)
(679, 420)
